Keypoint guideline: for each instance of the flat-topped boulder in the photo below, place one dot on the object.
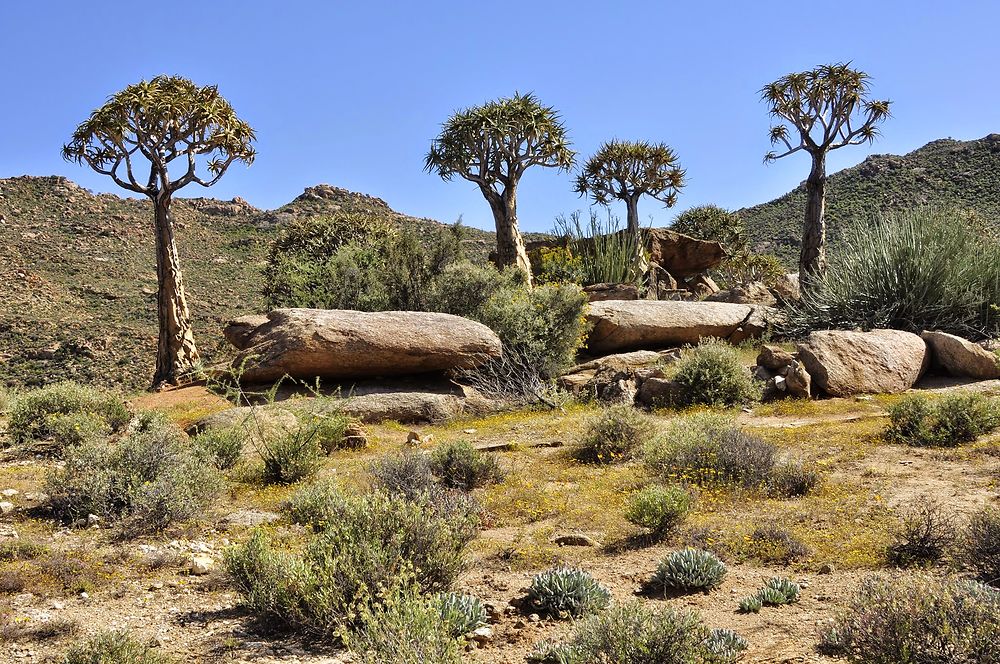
(842, 363)
(339, 344)
(961, 357)
(620, 325)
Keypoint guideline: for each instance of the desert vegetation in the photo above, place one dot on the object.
(583, 450)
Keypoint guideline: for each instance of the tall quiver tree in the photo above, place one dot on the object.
(151, 125)
(828, 107)
(627, 171)
(493, 145)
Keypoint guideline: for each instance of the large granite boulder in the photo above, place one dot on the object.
(842, 363)
(335, 343)
(961, 357)
(650, 324)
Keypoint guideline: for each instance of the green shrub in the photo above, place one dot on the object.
(616, 434)
(949, 421)
(746, 266)
(408, 473)
(980, 546)
(659, 508)
(924, 269)
(918, 620)
(792, 479)
(708, 450)
(923, 536)
(713, 223)
(316, 505)
(60, 409)
(634, 633)
(404, 628)
(222, 447)
(689, 570)
(293, 453)
(142, 482)
(459, 465)
(712, 374)
(558, 265)
(374, 541)
(567, 592)
(462, 613)
(114, 648)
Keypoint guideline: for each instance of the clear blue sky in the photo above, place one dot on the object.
(351, 93)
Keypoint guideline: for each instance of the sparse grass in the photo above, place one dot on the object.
(28, 630)
(116, 647)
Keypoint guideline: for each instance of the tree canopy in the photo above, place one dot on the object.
(829, 107)
(495, 143)
(625, 170)
(162, 120)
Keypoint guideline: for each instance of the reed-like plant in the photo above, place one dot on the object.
(926, 268)
(605, 250)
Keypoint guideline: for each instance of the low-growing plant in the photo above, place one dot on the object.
(316, 505)
(143, 482)
(925, 533)
(708, 450)
(772, 544)
(221, 447)
(61, 410)
(778, 591)
(918, 620)
(616, 434)
(635, 633)
(659, 508)
(405, 628)
(407, 473)
(792, 479)
(980, 546)
(724, 646)
(462, 613)
(567, 592)
(712, 374)
(689, 570)
(459, 465)
(946, 422)
(115, 648)
(375, 540)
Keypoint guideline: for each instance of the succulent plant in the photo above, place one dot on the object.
(788, 589)
(463, 613)
(690, 569)
(776, 592)
(724, 646)
(551, 652)
(567, 591)
(751, 604)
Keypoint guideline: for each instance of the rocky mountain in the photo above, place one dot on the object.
(961, 173)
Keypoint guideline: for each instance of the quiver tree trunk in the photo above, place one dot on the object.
(812, 259)
(176, 354)
(639, 263)
(510, 244)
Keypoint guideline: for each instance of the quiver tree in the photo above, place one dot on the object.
(493, 145)
(828, 108)
(627, 171)
(150, 126)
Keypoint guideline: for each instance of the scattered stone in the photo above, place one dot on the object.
(574, 539)
(9, 493)
(651, 324)
(482, 635)
(200, 565)
(93, 520)
(415, 438)
(6, 507)
(827, 568)
(355, 436)
(961, 357)
(310, 343)
(752, 293)
(702, 285)
(773, 358)
(534, 617)
(844, 363)
(248, 518)
(469, 432)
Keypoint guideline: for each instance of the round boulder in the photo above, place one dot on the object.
(842, 363)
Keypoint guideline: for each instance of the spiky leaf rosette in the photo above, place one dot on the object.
(494, 143)
(622, 170)
(829, 107)
(159, 121)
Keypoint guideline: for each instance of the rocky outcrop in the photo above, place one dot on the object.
(961, 357)
(682, 255)
(601, 292)
(752, 293)
(842, 363)
(651, 324)
(310, 343)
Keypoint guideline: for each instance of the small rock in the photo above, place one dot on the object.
(9, 493)
(520, 624)
(574, 539)
(534, 617)
(156, 586)
(200, 565)
(827, 568)
(6, 507)
(482, 635)
(414, 438)
(469, 432)
(58, 606)
(93, 520)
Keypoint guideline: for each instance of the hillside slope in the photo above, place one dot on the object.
(78, 278)
(962, 173)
